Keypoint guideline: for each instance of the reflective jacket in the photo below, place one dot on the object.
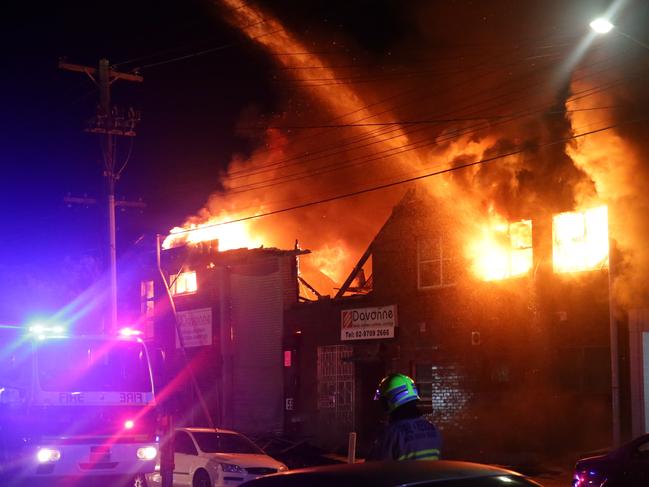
(408, 439)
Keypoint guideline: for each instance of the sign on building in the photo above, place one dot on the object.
(368, 323)
(196, 327)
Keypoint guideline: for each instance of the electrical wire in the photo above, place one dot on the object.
(349, 143)
(478, 127)
(407, 180)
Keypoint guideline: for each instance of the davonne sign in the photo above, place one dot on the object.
(368, 323)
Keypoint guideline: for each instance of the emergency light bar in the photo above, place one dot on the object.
(42, 330)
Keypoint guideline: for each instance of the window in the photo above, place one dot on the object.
(580, 240)
(183, 283)
(212, 442)
(435, 264)
(184, 444)
(89, 365)
(147, 307)
(520, 259)
(504, 251)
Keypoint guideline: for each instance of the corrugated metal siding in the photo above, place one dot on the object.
(257, 321)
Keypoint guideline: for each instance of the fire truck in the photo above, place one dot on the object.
(78, 410)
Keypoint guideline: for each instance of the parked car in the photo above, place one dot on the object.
(626, 466)
(206, 457)
(392, 474)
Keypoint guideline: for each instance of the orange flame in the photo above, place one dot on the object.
(580, 240)
(230, 235)
(331, 261)
(503, 251)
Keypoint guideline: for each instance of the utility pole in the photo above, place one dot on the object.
(110, 123)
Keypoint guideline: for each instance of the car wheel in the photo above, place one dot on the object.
(201, 479)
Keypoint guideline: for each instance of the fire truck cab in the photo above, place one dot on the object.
(75, 409)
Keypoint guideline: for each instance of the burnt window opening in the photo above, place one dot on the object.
(580, 240)
(504, 252)
(183, 283)
(436, 264)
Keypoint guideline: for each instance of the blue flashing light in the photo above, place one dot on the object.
(42, 330)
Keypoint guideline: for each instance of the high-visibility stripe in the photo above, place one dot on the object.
(393, 393)
(431, 454)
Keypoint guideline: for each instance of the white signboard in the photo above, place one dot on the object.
(196, 327)
(368, 323)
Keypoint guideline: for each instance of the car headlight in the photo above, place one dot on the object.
(147, 453)
(48, 455)
(282, 468)
(231, 468)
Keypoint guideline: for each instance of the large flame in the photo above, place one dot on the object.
(550, 175)
(330, 262)
(235, 235)
(504, 250)
(580, 240)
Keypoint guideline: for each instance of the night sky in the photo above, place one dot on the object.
(192, 108)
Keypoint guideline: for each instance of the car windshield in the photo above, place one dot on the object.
(86, 365)
(215, 442)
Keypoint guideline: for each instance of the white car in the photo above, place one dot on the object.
(206, 457)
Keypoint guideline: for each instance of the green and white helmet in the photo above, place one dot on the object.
(396, 390)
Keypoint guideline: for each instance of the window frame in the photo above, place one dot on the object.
(441, 260)
(174, 279)
(189, 438)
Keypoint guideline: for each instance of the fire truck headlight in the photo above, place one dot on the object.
(48, 455)
(147, 453)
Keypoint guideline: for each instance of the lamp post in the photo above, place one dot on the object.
(602, 26)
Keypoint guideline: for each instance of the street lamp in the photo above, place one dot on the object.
(602, 25)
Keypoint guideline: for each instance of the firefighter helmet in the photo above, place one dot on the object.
(396, 390)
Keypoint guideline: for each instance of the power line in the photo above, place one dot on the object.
(349, 143)
(392, 151)
(413, 122)
(405, 181)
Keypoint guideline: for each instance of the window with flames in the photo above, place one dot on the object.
(183, 283)
(580, 240)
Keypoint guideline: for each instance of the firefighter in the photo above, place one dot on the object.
(408, 434)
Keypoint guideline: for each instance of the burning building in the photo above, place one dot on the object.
(517, 328)
(230, 319)
(496, 271)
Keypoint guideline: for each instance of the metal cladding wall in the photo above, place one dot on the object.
(240, 372)
(257, 313)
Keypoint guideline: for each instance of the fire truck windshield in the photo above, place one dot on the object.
(87, 365)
